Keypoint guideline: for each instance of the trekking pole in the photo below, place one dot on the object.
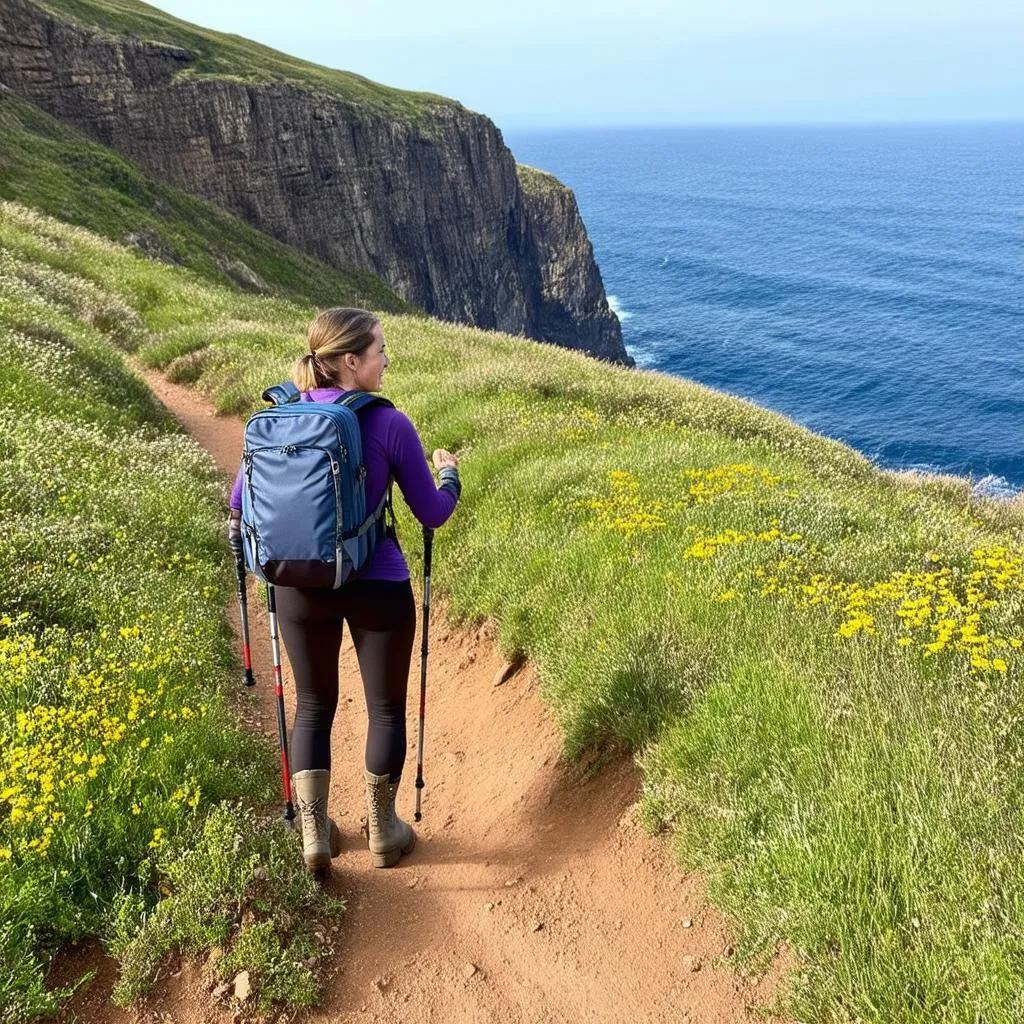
(282, 732)
(243, 608)
(428, 551)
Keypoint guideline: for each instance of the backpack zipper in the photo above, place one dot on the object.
(339, 550)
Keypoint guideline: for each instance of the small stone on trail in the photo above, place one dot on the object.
(692, 963)
(488, 906)
(687, 922)
(507, 670)
(537, 925)
(220, 990)
(413, 882)
(469, 970)
(243, 988)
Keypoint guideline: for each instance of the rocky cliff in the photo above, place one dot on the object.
(573, 306)
(425, 195)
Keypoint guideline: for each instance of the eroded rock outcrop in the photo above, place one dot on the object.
(574, 307)
(431, 201)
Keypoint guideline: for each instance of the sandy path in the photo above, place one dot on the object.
(532, 895)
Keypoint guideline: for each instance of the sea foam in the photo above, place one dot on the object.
(622, 314)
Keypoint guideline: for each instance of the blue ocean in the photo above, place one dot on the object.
(867, 281)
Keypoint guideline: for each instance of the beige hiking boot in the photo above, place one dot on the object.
(389, 836)
(321, 839)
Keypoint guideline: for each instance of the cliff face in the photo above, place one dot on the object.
(574, 308)
(431, 204)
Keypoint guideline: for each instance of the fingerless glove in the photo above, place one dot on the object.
(450, 481)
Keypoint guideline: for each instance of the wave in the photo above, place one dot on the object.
(993, 486)
(622, 314)
(644, 359)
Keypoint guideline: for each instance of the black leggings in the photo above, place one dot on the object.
(382, 618)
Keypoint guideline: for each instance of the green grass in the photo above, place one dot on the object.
(537, 182)
(229, 872)
(53, 167)
(118, 743)
(218, 55)
(818, 664)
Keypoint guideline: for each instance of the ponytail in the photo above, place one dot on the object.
(304, 375)
(333, 333)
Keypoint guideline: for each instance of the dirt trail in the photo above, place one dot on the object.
(532, 896)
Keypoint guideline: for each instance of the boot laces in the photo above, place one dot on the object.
(380, 807)
(315, 809)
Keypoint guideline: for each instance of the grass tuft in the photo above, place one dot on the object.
(238, 867)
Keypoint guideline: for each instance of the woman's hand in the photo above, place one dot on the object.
(443, 458)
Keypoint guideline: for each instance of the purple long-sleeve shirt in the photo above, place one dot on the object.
(391, 448)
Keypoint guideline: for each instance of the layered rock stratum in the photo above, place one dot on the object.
(414, 188)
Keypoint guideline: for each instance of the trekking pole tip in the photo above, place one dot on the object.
(249, 679)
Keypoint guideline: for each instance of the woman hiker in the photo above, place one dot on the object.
(346, 353)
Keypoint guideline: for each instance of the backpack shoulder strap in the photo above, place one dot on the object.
(357, 400)
(281, 394)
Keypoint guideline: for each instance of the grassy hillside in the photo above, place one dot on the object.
(129, 795)
(217, 54)
(820, 665)
(52, 167)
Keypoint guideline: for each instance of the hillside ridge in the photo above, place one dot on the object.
(426, 196)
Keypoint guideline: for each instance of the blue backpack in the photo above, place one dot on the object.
(304, 518)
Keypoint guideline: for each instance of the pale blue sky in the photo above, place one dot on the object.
(541, 63)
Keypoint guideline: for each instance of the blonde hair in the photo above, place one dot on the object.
(333, 333)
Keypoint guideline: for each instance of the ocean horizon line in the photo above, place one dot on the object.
(512, 126)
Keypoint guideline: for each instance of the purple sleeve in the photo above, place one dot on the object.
(236, 491)
(432, 507)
